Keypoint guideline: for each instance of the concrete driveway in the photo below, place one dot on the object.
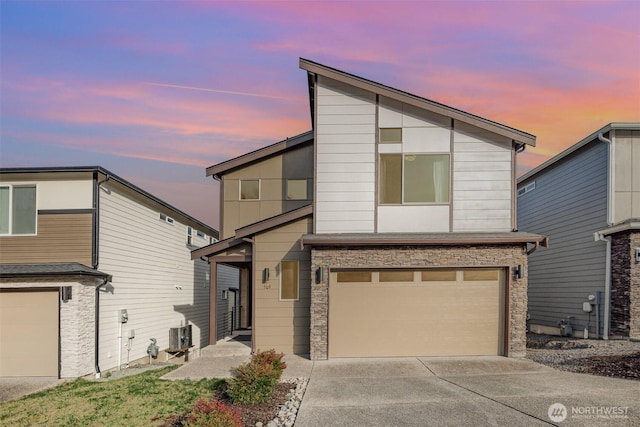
(12, 388)
(472, 391)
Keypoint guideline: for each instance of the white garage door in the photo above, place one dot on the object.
(29, 333)
(416, 313)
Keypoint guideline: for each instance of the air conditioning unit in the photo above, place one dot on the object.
(180, 338)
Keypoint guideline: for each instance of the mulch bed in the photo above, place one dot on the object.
(625, 366)
(250, 414)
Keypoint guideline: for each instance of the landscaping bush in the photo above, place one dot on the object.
(270, 357)
(253, 382)
(212, 413)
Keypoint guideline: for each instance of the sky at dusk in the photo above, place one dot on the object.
(156, 91)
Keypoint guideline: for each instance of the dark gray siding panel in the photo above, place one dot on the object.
(568, 205)
(228, 278)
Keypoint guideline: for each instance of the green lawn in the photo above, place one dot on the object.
(137, 400)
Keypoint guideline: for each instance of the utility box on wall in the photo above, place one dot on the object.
(180, 338)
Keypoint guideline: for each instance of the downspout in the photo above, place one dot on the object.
(96, 229)
(96, 220)
(607, 240)
(97, 323)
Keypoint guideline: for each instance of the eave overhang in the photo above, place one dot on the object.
(632, 224)
(53, 270)
(246, 159)
(518, 136)
(244, 234)
(422, 239)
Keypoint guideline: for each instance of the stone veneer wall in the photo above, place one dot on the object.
(625, 285)
(77, 332)
(420, 257)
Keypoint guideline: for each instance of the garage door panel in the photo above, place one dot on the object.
(415, 319)
(29, 333)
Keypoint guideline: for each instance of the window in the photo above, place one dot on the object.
(296, 189)
(390, 135)
(200, 234)
(353, 276)
(414, 178)
(396, 276)
(529, 187)
(478, 275)
(250, 189)
(189, 235)
(289, 282)
(438, 275)
(18, 209)
(167, 219)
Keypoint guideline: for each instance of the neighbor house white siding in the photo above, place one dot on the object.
(482, 181)
(345, 158)
(153, 278)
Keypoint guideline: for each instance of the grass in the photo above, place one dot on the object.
(138, 400)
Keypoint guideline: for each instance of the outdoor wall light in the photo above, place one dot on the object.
(65, 293)
(518, 271)
(319, 275)
(265, 275)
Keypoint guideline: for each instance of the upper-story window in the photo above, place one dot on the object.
(17, 209)
(414, 178)
(390, 135)
(296, 189)
(250, 189)
(529, 187)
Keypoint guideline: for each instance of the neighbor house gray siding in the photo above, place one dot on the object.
(568, 204)
(228, 278)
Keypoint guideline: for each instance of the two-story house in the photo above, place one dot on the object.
(92, 268)
(587, 200)
(387, 230)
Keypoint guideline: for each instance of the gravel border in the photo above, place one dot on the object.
(564, 353)
(289, 410)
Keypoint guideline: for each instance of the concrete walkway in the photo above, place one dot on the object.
(473, 391)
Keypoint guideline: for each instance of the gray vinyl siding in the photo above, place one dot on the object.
(228, 277)
(568, 204)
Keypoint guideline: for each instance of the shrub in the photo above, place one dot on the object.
(270, 357)
(212, 413)
(253, 382)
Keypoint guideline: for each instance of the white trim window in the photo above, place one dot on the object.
(289, 280)
(249, 189)
(18, 212)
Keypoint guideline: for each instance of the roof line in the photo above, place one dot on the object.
(421, 240)
(436, 107)
(74, 269)
(577, 146)
(259, 154)
(100, 169)
(253, 229)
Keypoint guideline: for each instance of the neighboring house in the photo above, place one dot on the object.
(77, 246)
(587, 201)
(387, 230)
